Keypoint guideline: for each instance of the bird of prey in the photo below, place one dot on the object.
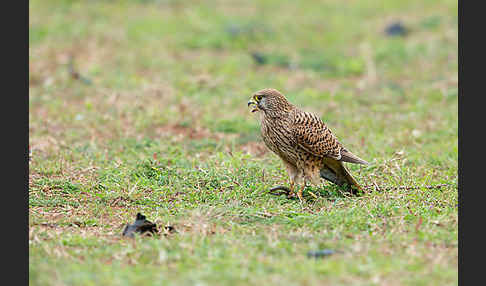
(305, 144)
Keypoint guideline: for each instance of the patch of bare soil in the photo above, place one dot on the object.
(257, 149)
(182, 132)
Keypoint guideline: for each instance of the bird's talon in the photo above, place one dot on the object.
(284, 190)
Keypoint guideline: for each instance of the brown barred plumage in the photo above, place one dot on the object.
(305, 144)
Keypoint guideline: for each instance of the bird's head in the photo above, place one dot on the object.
(270, 101)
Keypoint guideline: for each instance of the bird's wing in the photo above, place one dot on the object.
(313, 136)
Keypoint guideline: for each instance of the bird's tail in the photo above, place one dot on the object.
(347, 156)
(335, 172)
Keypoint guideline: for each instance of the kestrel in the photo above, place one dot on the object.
(305, 144)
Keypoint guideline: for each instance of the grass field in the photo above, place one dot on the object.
(140, 106)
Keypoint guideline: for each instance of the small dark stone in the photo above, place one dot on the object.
(234, 30)
(320, 253)
(259, 58)
(141, 225)
(396, 29)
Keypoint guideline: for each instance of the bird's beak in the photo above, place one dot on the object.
(253, 104)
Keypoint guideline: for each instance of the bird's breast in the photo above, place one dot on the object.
(277, 135)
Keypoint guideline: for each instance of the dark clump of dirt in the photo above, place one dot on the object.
(396, 29)
(169, 229)
(141, 225)
(320, 253)
(259, 58)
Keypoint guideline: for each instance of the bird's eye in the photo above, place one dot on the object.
(259, 97)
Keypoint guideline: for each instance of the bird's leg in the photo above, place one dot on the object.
(293, 175)
(299, 193)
